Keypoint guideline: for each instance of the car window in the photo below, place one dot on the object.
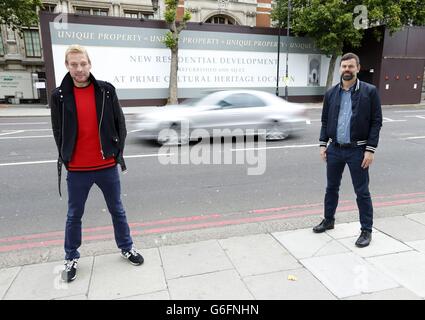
(242, 100)
(225, 104)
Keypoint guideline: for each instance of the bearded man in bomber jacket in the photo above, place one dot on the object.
(89, 130)
(351, 121)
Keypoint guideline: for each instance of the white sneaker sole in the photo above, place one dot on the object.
(134, 264)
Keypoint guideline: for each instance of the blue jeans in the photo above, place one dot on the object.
(79, 184)
(336, 159)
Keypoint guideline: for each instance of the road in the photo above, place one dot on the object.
(171, 197)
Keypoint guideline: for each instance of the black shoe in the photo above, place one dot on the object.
(70, 272)
(133, 256)
(364, 239)
(324, 225)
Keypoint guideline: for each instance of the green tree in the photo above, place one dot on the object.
(335, 23)
(172, 42)
(17, 14)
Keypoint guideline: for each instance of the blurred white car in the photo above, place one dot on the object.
(223, 113)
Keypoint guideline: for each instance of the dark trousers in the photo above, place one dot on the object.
(337, 157)
(79, 184)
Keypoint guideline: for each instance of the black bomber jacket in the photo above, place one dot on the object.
(366, 120)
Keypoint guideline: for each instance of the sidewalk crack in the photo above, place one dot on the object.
(163, 271)
(91, 277)
(317, 251)
(11, 283)
(234, 267)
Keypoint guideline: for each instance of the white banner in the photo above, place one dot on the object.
(149, 68)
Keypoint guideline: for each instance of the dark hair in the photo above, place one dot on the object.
(349, 56)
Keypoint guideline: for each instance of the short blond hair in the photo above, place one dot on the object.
(76, 48)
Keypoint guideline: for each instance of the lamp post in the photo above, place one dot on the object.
(287, 51)
(155, 6)
(278, 59)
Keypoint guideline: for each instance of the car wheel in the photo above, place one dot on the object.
(173, 135)
(277, 130)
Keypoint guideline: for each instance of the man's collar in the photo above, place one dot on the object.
(356, 85)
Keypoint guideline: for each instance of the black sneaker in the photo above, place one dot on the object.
(133, 256)
(70, 272)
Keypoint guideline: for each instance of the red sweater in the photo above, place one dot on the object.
(87, 153)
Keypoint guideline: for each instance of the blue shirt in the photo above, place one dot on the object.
(344, 118)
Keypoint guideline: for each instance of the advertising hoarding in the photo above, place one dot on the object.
(132, 56)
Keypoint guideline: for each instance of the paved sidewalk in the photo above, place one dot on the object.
(295, 264)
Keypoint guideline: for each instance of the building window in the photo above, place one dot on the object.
(138, 14)
(48, 7)
(1, 45)
(91, 11)
(220, 19)
(131, 14)
(11, 35)
(32, 43)
(80, 10)
(147, 16)
(100, 12)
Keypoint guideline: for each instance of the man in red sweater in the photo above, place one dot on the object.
(89, 129)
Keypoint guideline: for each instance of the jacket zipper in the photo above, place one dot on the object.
(63, 123)
(100, 124)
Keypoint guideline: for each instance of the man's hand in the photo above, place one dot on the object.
(323, 153)
(368, 159)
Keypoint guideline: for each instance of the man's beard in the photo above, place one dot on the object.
(348, 76)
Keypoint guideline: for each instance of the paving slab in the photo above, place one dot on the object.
(331, 248)
(345, 230)
(418, 217)
(77, 297)
(221, 285)
(257, 254)
(277, 286)
(407, 268)
(160, 295)
(113, 277)
(43, 281)
(417, 245)
(347, 274)
(390, 294)
(381, 244)
(304, 243)
(194, 258)
(401, 228)
(6, 278)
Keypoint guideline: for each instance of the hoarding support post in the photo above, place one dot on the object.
(278, 56)
(287, 51)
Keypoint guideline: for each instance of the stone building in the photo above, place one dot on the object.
(22, 74)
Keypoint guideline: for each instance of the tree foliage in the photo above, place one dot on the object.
(170, 15)
(335, 23)
(17, 14)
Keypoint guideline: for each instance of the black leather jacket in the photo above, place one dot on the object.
(110, 118)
